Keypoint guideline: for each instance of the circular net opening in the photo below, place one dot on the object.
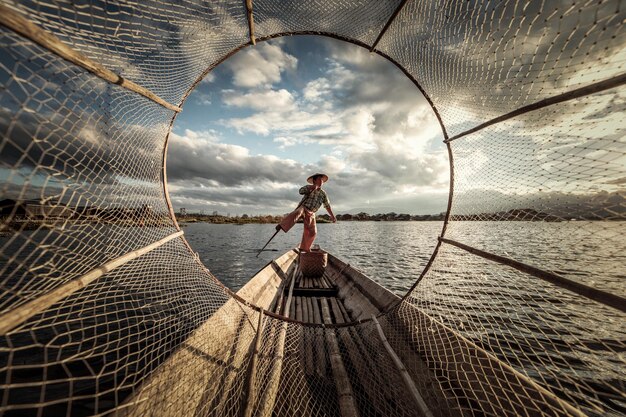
(104, 308)
(268, 117)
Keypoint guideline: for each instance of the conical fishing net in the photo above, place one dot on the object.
(104, 308)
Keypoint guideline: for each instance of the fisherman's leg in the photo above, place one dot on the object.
(309, 232)
(292, 218)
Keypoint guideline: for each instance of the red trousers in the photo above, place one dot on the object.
(310, 227)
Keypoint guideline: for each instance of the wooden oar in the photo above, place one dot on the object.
(268, 242)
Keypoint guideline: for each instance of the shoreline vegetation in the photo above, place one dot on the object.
(147, 218)
(322, 218)
(511, 215)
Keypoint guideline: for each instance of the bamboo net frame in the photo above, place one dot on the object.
(87, 86)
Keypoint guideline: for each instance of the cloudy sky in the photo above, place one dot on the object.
(273, 114)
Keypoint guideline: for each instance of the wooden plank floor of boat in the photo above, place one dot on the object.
(314, 381)
(336, 368)
(310, 297)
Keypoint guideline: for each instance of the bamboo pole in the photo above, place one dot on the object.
(290, 295)
(252, 372)
(387, 25)
(421, 405)
(292, 312)
(345, 396)
(320, 363)
(347, 317)
(559, 98)
(166, 192)
(367, 369)
(317, 317)
(309, 317)
(603, 297)
(305, 309)
(266, 405)
(298, 308)
(15, 317)
(24, 27)
(336, 310)
(250, 21)
(307, 337)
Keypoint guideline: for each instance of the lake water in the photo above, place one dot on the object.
(572, 345)
(394, 253)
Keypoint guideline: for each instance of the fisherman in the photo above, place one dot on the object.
(313, 199)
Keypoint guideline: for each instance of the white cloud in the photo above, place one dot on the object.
(281, 122)
(285, 141)
(207, 174)
(355, 110)
(208, 79)
(316, 90)
(277, 100)
(375, 121)
(260, 65)
(201, 156)
(330, 163)
(379, 136)
(359, 123)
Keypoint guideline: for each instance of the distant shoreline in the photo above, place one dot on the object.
(324, 218)
(318, 221)
(526, 215)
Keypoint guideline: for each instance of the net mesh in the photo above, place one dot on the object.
(104, 309)
(478, 60)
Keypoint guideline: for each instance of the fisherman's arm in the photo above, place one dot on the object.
(329, 210)
(332, 215)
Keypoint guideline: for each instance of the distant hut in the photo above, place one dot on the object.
(34, 209)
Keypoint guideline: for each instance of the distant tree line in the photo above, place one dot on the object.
(526, 214)
(380, 217)
(220, 219)
(322, 218)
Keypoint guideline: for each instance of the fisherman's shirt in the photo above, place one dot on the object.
(314, 199)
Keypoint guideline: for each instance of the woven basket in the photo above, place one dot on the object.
(313, 263)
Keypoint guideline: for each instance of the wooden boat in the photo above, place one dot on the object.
(337, 345)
